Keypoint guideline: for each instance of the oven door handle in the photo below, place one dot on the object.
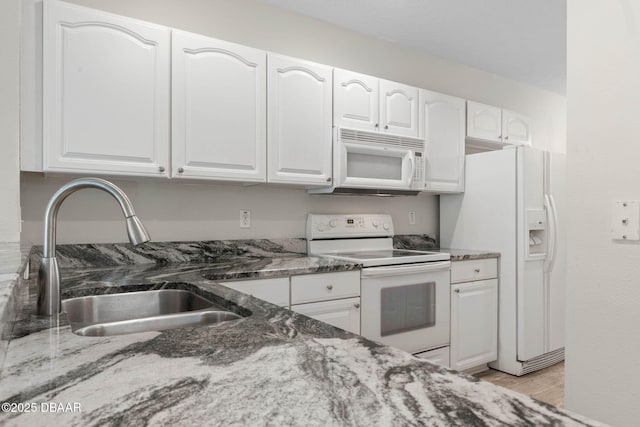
(397, 270)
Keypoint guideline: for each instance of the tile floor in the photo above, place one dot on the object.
(546, 385)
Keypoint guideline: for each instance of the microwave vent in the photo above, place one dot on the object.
(359, 136)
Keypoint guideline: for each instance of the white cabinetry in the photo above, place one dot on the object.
(398, 108)
(105, 93)
(474, 318)
(515, 128)
(442, 126)
(333, 298)
(299, 121)
(342, 313)
(273, 290)
(372, 104)
(495, 125)
(439, 356)
(355, 100)
(219, 109)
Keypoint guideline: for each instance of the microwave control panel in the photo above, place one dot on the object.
(321, 226)
(418, 173)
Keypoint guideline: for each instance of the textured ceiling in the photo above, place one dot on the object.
(523, 40)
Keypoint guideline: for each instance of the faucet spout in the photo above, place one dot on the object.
(49, 301)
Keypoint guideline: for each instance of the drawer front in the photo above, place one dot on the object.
(324, 287)
(477, 269)
(439, 356)
(275, 291)
(343, 313)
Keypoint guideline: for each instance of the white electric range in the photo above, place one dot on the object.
(404, 293)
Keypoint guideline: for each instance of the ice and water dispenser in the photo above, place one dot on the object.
(537, 232)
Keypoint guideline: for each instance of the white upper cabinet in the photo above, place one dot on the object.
(355, 100)
(299, 121)
(515, 128)
(484, 122)
(495, 125)
(442, 127)
(398, 109)
(372, 104)
(105, 93)
(219, 109)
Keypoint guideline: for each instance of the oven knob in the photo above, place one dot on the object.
(322, 227)
(375, 224)
(333, 223)
(386, 226)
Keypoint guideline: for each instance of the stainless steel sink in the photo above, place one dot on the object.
(125, 313)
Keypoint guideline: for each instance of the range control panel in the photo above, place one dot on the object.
(322, 226)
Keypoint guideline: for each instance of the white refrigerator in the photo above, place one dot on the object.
(514, 203)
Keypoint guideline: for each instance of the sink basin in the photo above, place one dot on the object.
(125, 313)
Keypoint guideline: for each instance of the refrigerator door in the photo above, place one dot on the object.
(555, 274)
(530, 290)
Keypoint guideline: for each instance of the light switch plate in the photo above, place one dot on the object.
(625, 220)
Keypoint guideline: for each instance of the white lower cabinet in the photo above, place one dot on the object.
(439, 356)
(275, 290)
(342, 313)
(474, 323)
(333, 298)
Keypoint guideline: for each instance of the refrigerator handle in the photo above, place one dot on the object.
(555, 231)
(552, 236)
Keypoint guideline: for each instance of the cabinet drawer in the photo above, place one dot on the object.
(477, 269)
(343, 314)
(275, 290)
(323, 287)
(439, 356)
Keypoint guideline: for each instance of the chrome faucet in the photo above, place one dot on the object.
(49, 276)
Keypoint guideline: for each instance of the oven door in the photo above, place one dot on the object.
(407, 306)
(378, 167)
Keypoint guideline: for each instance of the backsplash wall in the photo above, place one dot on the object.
(177, 210)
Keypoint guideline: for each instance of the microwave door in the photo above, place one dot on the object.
(364, 166)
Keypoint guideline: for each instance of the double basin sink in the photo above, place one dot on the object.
(129, 312)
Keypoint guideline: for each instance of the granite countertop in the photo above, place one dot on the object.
(272, 367)
(422, 242)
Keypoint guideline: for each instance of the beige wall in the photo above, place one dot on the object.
(9, 120)
(179, 211)
(603, 92)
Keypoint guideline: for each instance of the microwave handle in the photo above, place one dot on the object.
(405, 269)
(412, 161)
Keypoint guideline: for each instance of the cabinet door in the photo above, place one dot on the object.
(105, 93)
(344, 313)
(484, 122)
(439, 356)
(355, 100)
(474, 323)
(219, 109)
(516, 128)
(443, 129)
(299, 122)
(398, 108)
(274, 290)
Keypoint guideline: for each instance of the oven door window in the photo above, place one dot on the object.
(407, 308)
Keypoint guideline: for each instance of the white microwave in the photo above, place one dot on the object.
(378, 163)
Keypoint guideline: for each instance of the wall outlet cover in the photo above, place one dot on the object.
(625, 220)
(245, 219)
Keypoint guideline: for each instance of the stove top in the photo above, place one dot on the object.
(365, 239)
(371, 258)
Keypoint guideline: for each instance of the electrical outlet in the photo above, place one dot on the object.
(412, 218)
(245, 219)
